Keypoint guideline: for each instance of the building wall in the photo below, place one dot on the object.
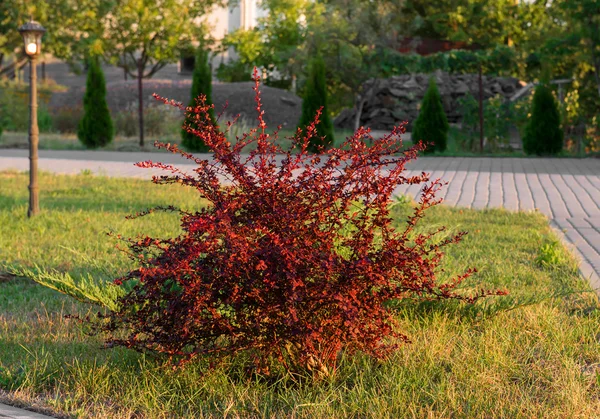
(227, 19)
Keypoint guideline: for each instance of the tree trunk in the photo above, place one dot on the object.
(359, 108)
(141, 102)
(480, 109)
(362, 100)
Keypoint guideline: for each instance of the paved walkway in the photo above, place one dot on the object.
(16, 413)
(565, 190)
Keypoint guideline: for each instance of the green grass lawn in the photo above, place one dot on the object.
(534, 353)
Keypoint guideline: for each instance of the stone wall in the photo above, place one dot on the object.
(398, 98)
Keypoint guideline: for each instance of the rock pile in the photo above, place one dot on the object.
(398, 98)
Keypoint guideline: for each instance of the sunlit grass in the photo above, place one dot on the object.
(535, 353)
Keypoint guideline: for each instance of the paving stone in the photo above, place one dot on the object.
(496, 192)
(11, 412)
(482, 189)
(510, 198)
(559, 209)
(467, 193)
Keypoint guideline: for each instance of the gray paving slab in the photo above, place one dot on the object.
(565, 190)
(11, 412)
(482, 189)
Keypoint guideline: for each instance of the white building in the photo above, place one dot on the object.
(226, 19)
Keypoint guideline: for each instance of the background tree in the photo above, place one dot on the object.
(583, 30)
(543, 134)
(431, 126)
(315, 97)
(353, 36)
(201, 84)
(72, 26)
(274, 42)
(145, 35)
(96, 127)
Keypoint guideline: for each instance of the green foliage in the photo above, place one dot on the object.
(550, 254)
(543, 134)
(96, 127)
(273, 44)
(580, 35)
(201, 85)
(85, 288)
(315, 97)
(234, 71)
(73, 27)
(469, 109)
(145, 35)
(592, 138)
(497, 113)
(431, 126)
(44, 119)
(484, 23)
(66, 119)
(3, 118)
(14, 107)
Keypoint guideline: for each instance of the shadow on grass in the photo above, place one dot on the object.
(83, 200)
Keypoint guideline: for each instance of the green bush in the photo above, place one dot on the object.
(14, 99)
(66, 119)
(96, 127)
(159, 121)
(543, 134)
(126, 121)
(469, 110)
(498, 117)
(44, 119)
(315, 97)
(3, 115)
(234, 72)
(431, 125)
(201, 85)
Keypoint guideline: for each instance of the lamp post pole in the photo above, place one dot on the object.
(34, 206)
(32, 33)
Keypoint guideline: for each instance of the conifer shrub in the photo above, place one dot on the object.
(315, 99)
(3, 117)
(201, 85)
(96, 126)
(431, 126)
(543, 134)
(293, 261)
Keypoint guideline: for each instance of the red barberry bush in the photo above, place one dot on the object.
(293, 261)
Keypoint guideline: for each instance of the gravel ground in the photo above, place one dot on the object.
(281, 107)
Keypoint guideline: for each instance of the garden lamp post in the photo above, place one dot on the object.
(32, 33)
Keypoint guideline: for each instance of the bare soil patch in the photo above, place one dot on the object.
(281, 106)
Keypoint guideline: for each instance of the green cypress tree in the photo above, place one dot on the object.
(96, 127)
(543, 134)
(201, 83)
(431, 126)
(315, 96)
(2, 118)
